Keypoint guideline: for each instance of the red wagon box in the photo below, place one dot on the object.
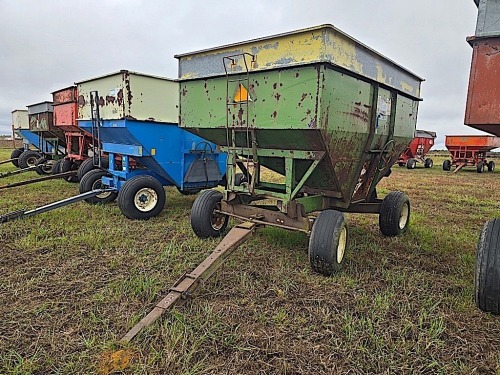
(66, 109)
(78, 142)
(470, 150)
(417, 149)
(483, 98)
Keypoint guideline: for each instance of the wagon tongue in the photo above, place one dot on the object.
(23, 213)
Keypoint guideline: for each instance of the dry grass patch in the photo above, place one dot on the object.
(74, 280)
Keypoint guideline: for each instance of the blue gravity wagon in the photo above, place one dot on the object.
(141, 149)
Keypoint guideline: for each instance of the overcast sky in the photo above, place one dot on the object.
(46, 45)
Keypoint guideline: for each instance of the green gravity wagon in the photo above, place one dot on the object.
(313, 119)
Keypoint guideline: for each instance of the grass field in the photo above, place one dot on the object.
(74, 280)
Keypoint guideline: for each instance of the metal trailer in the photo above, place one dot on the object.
(41, 122)
(134, 117)
(20, 126)
(483, 113)
(327, 114)
(470, 150)
(417, 150)
(80, 145)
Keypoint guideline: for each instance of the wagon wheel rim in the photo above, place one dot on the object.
(403, 217)
(98, 185)
(47, 167)
(145, 199)
(342, 244)
(218, 219)
(31, 161)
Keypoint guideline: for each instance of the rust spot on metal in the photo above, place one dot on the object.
(240, 116)
(110, 99)
(129, 92)
(274, 114)
(297, 75)
(119, 97)
(184, 91)
(81, 100)
(275, 85)
(101, 101)
(277, 96)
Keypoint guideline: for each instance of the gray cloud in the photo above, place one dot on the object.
(48, 45)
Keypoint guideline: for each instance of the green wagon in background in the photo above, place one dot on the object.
(327, 113)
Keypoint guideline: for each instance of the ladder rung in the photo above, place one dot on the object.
(236, 103)
(238, 80)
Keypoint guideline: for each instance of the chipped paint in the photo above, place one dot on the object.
(407, 87)
(318, 44)
(129, 95)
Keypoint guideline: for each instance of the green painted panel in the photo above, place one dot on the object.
(312, 107)
(279, 99)
(346, 113)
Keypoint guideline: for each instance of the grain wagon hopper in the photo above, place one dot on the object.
(134, 117)
(21, 128)
(470, 150)
(80, 145)
(417, 150)
(41, 122)
(483, 112)
(314, 120)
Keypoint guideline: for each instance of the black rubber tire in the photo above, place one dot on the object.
(188, 192)
(446, 165)
(15, 155)
(203, 221)
(394, 216)
(487, 274)
(411, 163)
(480, 166)
(328, 242)
(90, 164)
(491, 166)
(28, 158)
(56, 167)
(429, 163)
(68, 165)
(138, 188)
(92, 181)
(43, 166)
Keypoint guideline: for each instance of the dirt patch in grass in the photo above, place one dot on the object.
(73, 281)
